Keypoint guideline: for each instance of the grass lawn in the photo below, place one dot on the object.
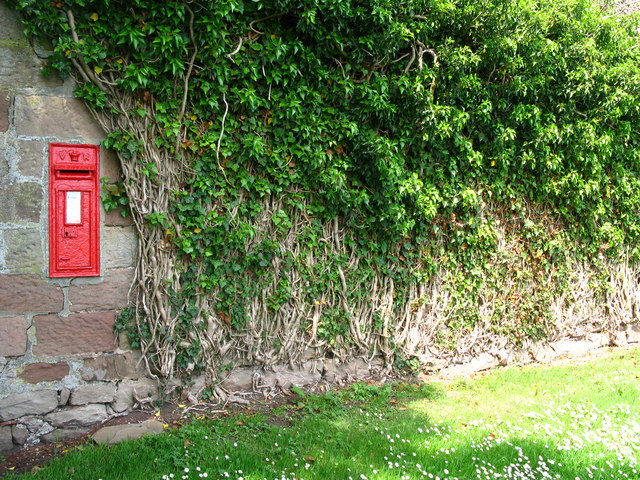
(558, 422)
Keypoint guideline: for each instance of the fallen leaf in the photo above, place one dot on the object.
(94, 17)
(309, 458)
(186, 443)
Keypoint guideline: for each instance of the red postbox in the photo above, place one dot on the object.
(74, 214)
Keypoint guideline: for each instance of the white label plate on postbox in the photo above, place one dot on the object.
(74, 207)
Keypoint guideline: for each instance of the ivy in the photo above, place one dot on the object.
(305, 169)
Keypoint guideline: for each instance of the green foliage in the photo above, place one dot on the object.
(126, 323)
(416, 126)
(408, 366)
(114, 197)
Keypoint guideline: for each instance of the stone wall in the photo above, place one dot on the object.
(61, 368)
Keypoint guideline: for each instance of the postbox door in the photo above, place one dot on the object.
(74, 211)
(73, 232)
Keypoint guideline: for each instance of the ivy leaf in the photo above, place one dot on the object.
(94, 17)
(97, 69)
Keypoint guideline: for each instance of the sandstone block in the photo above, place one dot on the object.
(63, 396)
(24, 251)
(239, 380)
(110, 166)
(4, 110)
(433, 364)
(599, 339)
(28, 293)
(93, 393)
(129, 390)
(112, 367)
(633, 333)
(20, 434)
(503, 356)
(64, 434)
(4, 171)
(44, 372)
(330, 372)
(7, 205)
(482, 362)
(123, 341)
(114, 219)
(572, 347)
(284, 377)
(73, 417)
(19, 67)
(13, 336)
(44, 116)
(6, 439)
(28, 201)
(351, 370)
(29, 403)
(78, 333)
(120, 247)
(32, 158)
(111, 294)
(119, 433)
(543, 353)
(619, 339)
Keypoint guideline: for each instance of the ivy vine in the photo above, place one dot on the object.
(358, 177)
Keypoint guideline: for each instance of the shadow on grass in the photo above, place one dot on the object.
(358, 433)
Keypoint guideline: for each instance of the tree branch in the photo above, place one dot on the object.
(84, 70)
(237, 49)
(275, 15)
(185, 92)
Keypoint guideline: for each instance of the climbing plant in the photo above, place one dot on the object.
(415, 178)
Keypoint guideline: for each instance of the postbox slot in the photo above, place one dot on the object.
(73, 173)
